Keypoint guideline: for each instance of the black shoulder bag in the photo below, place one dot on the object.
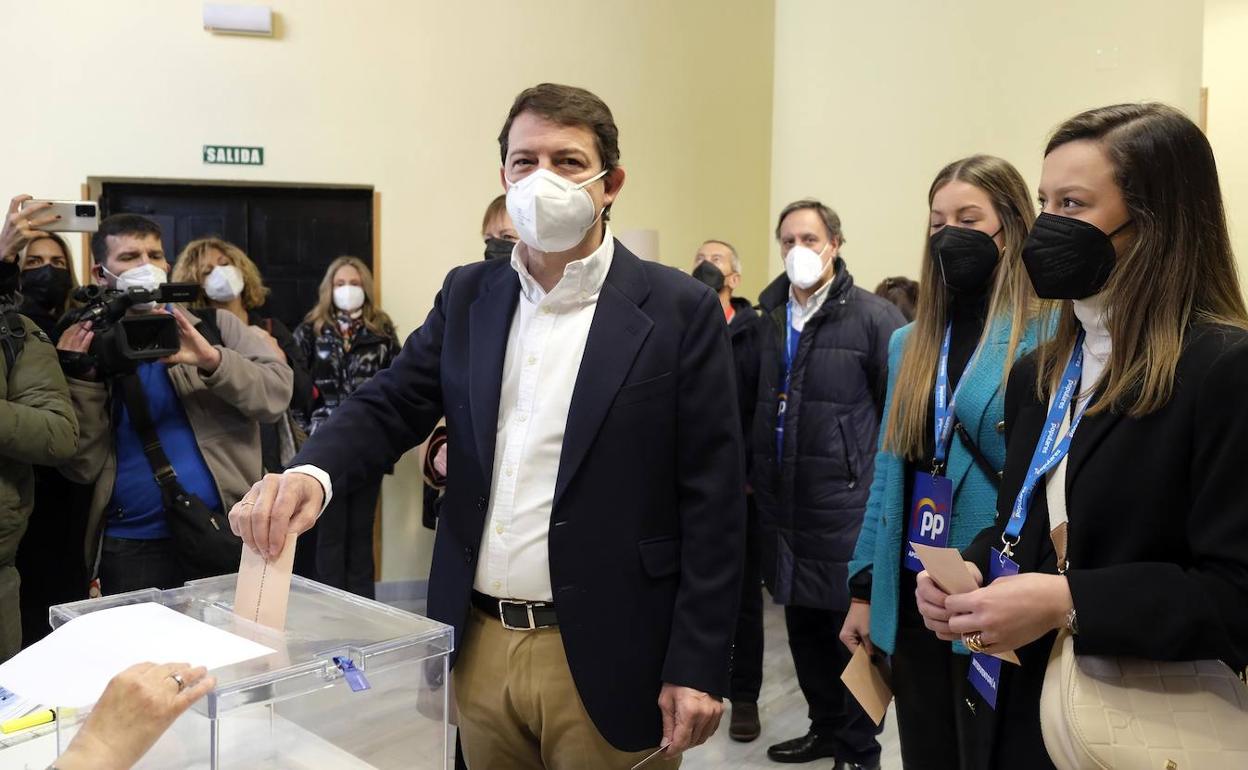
(981, 460)
(202, 537)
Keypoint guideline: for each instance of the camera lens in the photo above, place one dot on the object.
(84, 210)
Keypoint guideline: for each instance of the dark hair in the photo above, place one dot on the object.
(567, 106)
(497, 207)
(831, 221)
(902, 292)
(120, 224)
(1177, 268)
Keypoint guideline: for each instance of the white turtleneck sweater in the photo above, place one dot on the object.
(1091, 313)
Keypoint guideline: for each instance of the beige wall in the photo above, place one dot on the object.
(871, 99)
(1226, 77)
(406, 96)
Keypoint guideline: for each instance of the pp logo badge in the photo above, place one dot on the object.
(931, 522)
(929, 515)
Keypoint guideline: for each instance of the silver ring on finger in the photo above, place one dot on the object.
(178, 678)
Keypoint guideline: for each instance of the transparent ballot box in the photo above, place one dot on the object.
(303, 706)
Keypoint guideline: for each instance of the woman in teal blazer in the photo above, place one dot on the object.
(976, 315)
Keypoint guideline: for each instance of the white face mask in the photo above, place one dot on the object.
(348, 298)
(146, 276)
(551, 213)
(224, 283)
(804, 266)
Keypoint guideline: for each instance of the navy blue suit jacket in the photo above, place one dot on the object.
(647, 528)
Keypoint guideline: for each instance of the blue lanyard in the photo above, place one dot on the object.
(788, 379)
(1049, 450)
(788, 344)
(945, 403)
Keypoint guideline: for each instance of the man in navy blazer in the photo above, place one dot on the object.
(591, 543)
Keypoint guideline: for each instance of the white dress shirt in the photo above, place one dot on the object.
(544, 350)
(801, 312)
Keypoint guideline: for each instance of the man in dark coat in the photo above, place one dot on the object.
(717, 265)
(589, 549)
(822, 377)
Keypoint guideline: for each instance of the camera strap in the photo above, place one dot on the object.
(136, 405)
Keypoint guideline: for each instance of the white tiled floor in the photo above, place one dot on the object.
(782, 711)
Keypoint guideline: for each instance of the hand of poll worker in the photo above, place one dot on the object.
(931, 600)
(136, 708)
(690, 717)
(21, 225)
(275, 506)
(857, 628)
(1012, 611)
(195, 351)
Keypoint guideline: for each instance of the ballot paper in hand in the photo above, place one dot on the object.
(947, 567)
(263, 588)
(867, 683)
(71, 666)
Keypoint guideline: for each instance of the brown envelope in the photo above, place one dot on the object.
(947, 567)
(263, 588)
(866, 682)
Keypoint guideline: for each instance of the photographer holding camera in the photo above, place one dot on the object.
(37, 424)
(169, 402)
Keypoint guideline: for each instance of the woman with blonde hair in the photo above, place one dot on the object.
(231, 281)
(347, 338)
(941, 442)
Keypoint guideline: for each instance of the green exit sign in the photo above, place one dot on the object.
(220, 154)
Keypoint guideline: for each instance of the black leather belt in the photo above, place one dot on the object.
(517, 615)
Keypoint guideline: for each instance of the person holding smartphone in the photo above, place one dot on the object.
(942, 442)
(1133, 411)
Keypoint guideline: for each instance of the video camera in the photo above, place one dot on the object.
(122, 340)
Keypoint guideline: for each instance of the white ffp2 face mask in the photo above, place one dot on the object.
(348, 298)
(804, 266)
(146, 276)
(551, 213)
(224, 283)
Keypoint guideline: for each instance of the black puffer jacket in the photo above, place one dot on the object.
(336, 371)
(744, 330)
(811, 503)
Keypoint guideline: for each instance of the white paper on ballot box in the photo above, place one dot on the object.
(72, 665)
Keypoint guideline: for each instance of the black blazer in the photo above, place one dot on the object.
(647, 528)
(1158, 534)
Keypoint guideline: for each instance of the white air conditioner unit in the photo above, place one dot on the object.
(238, 19)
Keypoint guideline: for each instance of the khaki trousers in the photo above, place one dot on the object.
(519, 708)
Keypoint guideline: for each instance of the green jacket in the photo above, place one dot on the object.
(37, 427)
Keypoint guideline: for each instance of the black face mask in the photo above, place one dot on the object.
(498, 248)
(710, 275)
(1068, 258)
(45, 287)
(967, 258)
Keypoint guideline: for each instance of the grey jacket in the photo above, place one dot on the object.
(251, 386)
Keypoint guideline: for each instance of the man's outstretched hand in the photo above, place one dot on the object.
(276, 506)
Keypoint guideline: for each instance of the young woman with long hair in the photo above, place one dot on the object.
(347, 338)
(941, 441)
